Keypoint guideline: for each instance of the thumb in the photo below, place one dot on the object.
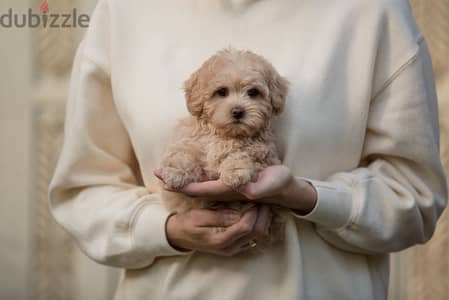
(251, 190)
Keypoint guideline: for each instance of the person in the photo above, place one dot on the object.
(359, 141)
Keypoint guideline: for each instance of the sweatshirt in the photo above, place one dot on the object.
(360, 124)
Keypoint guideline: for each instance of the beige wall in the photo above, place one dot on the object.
(27, 78)
(15, 132)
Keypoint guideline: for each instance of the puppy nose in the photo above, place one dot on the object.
(238, 113)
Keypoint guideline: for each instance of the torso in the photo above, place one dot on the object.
(327, 50)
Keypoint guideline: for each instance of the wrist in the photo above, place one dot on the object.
(310, 198)
(171, 233)
(300, 196)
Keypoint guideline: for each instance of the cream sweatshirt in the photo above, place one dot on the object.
(361, 124)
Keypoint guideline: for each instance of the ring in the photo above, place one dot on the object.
(252, 243)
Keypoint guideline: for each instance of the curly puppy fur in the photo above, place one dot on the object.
(232, 98)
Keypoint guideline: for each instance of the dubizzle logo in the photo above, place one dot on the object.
(44, 19)
(44, 7)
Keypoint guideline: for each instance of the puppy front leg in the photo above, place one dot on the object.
(182, 166)
(237, 169)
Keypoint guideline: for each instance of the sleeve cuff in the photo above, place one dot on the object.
(149, 235)
(333, 207)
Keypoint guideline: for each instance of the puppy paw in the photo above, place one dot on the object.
(236, 178)
(176, 178)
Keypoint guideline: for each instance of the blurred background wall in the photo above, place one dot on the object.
(37, 259)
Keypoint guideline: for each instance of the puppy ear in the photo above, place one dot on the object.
(193, 95)
(278, 92)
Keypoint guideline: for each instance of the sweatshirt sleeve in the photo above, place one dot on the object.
(394, 198)
(96, 193)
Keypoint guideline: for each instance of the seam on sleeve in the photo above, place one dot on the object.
(396, 74)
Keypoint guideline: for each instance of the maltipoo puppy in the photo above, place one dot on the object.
(232, 98)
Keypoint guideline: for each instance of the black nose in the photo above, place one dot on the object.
(238, 113)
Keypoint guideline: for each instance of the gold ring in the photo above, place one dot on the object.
(253, 243)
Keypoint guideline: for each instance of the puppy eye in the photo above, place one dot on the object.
(222, 92)
(253, 93)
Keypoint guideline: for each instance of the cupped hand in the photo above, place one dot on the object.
(270, 182)
(221, 232)
(273, 185)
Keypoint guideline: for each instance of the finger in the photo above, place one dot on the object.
(269, 223)
(158, 173)
(251, 241)
(253, 190)
(243, 244)
(214, 218)
(262, 186)
(268, 200)
(263, 222)
(214, 190)
(205, 189)
(240, 229)
(259, 234)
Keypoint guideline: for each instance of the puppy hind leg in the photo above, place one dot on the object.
(181, 167)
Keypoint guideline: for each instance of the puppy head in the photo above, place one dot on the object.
(237, 92)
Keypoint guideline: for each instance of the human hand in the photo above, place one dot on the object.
(221, 232)
(274, 185)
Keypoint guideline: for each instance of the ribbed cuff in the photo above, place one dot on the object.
(333, 207)
(149, 234)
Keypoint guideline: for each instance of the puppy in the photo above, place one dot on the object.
(232, 98)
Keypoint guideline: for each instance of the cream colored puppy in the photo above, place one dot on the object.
(232, 98)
